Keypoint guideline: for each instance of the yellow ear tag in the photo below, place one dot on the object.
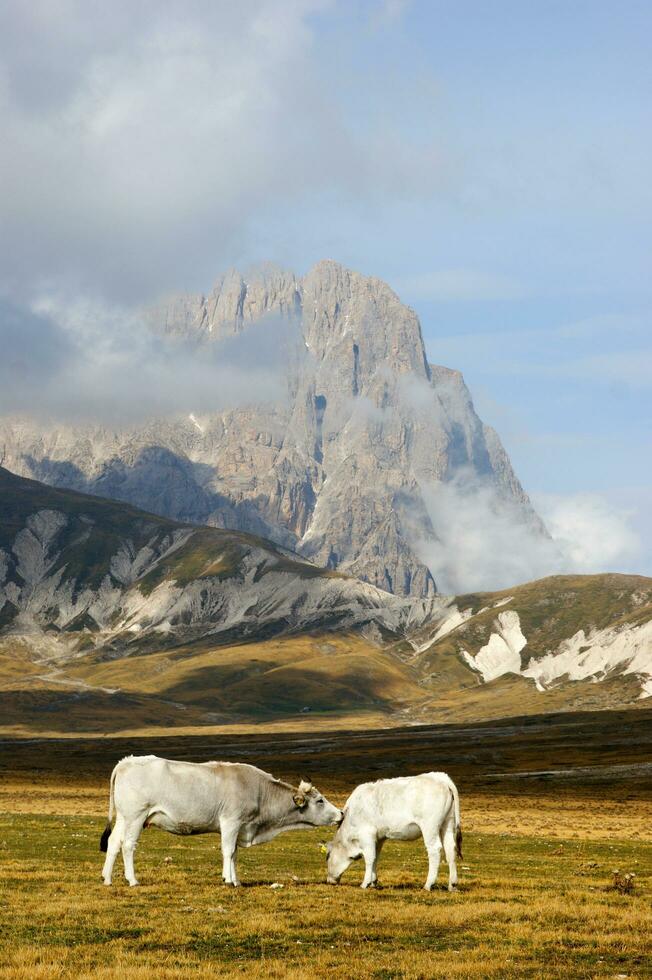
(323, 849)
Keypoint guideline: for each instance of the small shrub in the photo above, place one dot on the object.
(623, 883)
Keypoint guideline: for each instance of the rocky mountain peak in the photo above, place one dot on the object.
(340, 471)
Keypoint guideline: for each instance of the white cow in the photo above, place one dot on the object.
(243, 804)
(406, 808)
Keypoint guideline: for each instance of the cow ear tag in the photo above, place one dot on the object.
(323, 849)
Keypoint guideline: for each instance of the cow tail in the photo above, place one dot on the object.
(458, 819)
(104, 839)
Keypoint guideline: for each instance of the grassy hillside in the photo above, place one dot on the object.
(116, 620)
(550, 612)
(98, 528)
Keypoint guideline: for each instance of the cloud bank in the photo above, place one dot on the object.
(143, 141)
(483, 543)
(136, 136)
(83, 363)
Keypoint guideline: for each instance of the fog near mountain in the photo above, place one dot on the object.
(591, 534)
(301, 409)
(481, 541)
(81, 363)
(333, 467)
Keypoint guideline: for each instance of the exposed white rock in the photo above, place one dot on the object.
(501, 655)
(32, 546)
(502, 602)
(129, 564)
(627, 650)
(450, 623)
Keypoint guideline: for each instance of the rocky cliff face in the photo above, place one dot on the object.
(337, 471)
(74, 566)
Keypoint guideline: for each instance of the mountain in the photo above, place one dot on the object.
(339, 471)
(111, 618)
(115, 619)
(561, 642)
(72, 564)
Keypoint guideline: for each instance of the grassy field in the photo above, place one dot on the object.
(536, 897)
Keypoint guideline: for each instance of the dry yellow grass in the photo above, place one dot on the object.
(339, 680)
(290, 683)
(535, 898)
(573, 816)
(529, 906)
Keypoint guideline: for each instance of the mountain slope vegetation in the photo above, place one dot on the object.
(112, 619)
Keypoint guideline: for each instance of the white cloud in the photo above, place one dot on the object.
(591, 533)
(142, 143)
(80, 362)
(483, 543)
(136, 136)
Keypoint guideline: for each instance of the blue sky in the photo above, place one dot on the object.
(530, 264)
(490, 160)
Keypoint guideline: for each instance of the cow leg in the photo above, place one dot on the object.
(131, 835)
(450, 851)
(229, 840)
(433, 847)
(379, 847)
(234, 869)
(113, 846)
(370, 855)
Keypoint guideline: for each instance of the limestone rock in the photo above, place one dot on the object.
(337, 472)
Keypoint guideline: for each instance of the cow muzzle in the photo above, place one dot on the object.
(332, 880)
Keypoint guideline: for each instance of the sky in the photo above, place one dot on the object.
(491, 161)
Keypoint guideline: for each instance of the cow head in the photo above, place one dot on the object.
(315, 808)
(341, 851)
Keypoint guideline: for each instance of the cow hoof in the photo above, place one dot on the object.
(452, 888)
(428, 888)
(132, 884)
(106, 883)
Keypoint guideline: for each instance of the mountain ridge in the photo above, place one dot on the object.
(71, 561)
(339, 473)
(112, 618)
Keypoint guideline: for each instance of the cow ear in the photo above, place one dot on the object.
(299, 799)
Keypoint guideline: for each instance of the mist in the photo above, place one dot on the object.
(483, 542)
(83, 363)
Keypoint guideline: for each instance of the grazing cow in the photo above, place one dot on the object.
(406, 808)
(243, 804)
